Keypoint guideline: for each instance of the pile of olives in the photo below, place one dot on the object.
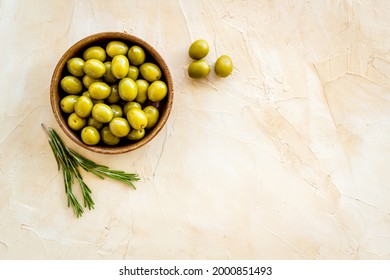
(111, 93)
(199, 68)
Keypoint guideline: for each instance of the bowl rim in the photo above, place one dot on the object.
(82, 44)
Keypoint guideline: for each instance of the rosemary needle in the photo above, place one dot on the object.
(68, 161)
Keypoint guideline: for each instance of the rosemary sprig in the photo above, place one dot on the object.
(68, 161)
(101, 170)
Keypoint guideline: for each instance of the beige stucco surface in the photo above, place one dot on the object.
(287, 158)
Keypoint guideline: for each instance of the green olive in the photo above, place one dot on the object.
(152, 114)
(116, 110)
(94, 101)
(157, 91)
(136, 134)
(71, 85)
(198, 49)
(95, 52)
(137, 118)
(133, 72)
(94, 68)
(67, 103)
(86, 93)
(75, 66)
(102, 113)
(114, 95)
(198, 69)
(119, 127)
(127, 89)
(99, 90)
(90, 135)
(108, 76)
(142, 94)
(150, 71)
(107, 137)
(114, 48)
(136, 55)
(92, 122)
(75, 122)
(83, 107)
(119, 66)
(87, 81)
(129, 105)
(223, 66)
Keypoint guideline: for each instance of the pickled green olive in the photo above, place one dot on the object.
(94, 68)
(114, 95)
(137, 118)
(92, 122)
(67, 103)
(102, 113)
(142, 90)
(150, 71)
(87, 81)
(127, 89)
(136, 55)
(95, 52)
(223, 66)
(86, 93)
(99, 90)
(136, 134)
(119, 127)
(114, 48)
(157, 91)
(83, 107)
(198, 69)
(107, 137)
(198, 49)
(116, 110)
(129, 105)
(152, 114)
(71, 85)
(75, 66)
(119, 66)
(90, 135)
(133, 73)
(94, 101)
(75, 122)
(108, 76)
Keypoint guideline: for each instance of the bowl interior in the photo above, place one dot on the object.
(101, 39)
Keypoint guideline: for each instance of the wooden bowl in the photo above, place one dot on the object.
(100, 39)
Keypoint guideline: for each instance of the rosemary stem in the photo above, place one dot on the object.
(69, 160)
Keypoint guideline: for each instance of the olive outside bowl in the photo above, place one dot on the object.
(101, 39)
